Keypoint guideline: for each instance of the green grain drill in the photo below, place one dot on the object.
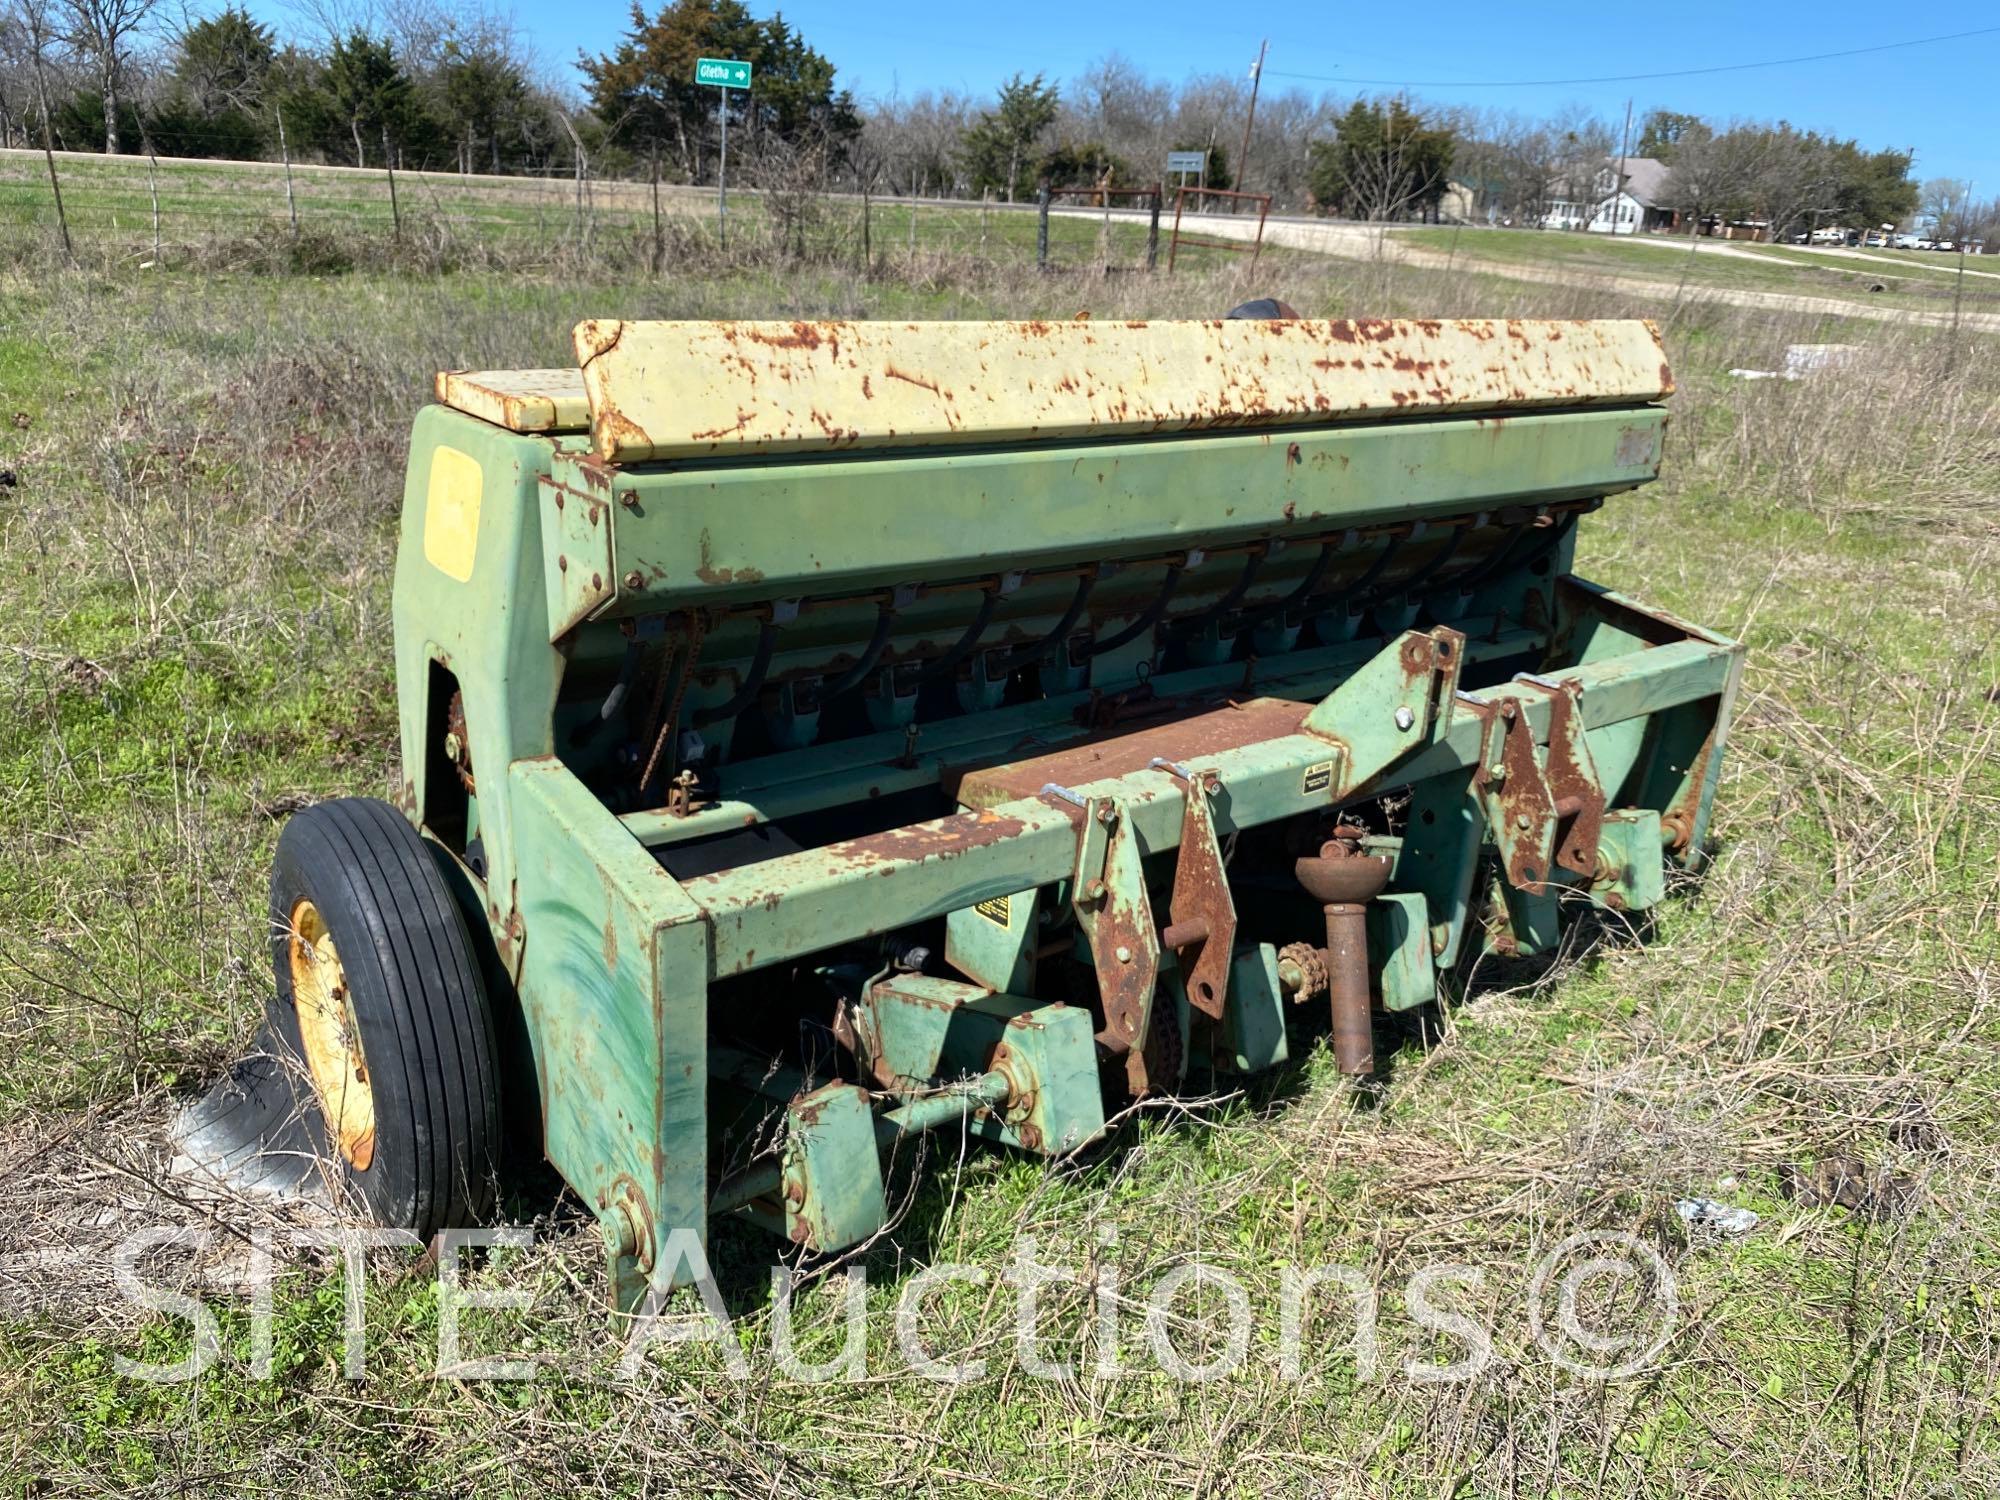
(819, 733)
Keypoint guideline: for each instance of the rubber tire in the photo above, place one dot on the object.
(421, 1010)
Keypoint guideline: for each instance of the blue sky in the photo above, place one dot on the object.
(1939, 98)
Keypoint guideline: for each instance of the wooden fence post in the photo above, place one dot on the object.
(55, 185)
(389, 165)
(153, 185)
(659, 237)
(285, 153)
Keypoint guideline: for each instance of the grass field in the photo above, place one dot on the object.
(1929, 262)
(196, 528)
(240, 212)
(1935, 260)
(1763, 268)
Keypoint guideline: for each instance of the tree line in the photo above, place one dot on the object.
(426, 84)
(1393, 159)
(445, 84)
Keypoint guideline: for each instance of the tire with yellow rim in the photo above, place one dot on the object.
(379, 995)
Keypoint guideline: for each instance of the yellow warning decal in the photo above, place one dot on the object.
(1319, 776)
(451, 512)
(996, 910)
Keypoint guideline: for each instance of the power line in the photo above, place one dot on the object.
(1543, 83)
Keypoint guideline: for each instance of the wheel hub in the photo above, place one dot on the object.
(329, 1037)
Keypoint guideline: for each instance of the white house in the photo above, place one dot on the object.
(1616, 207)
(1619, 214)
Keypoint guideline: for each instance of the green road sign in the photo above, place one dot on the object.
(722, 72)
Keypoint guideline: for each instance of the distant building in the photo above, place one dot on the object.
(1469, 200)
(1718, 228)
(1633, 204)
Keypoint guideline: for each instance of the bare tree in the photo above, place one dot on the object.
(103, 31)
(31, 25)
(327, 20)
(1941, 205)
(794, 176)
(1122, 112)
(1977, 221)
(914, 145)
(1711, 176)
(1579, 148)
(1503, 162)
(1281, 138)
(1792, 177)
(1520, 156)
(29, 32)
(17, 77)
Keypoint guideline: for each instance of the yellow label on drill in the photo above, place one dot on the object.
(451, 512)
(996, 910)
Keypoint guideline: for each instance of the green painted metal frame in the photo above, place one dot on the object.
(717, 533)
(785, 908)
(613, 958)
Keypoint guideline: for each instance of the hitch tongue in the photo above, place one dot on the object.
(1344, 880)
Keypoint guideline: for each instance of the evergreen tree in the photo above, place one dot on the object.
(367, 91)
(1001, 148)
(644, 90)
(1384, 162)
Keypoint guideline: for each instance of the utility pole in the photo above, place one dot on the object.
(1249, 119)
(1618, 187)
(1958, 287)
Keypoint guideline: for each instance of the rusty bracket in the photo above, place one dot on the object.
(1520, 812)
(684, 795)
(1571, 774)
(1203, 932)
(1544, 805)
(1115, 916)
(1398, 701)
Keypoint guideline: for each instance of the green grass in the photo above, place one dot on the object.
(194, 573)
(109, 205)
(1802, 255)
(1933, 260)
(1665, 261)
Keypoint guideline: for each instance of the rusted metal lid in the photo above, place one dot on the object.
(519, 400)
(700, 389)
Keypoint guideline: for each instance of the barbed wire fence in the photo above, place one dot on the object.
(147, 210)
(152, 211)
